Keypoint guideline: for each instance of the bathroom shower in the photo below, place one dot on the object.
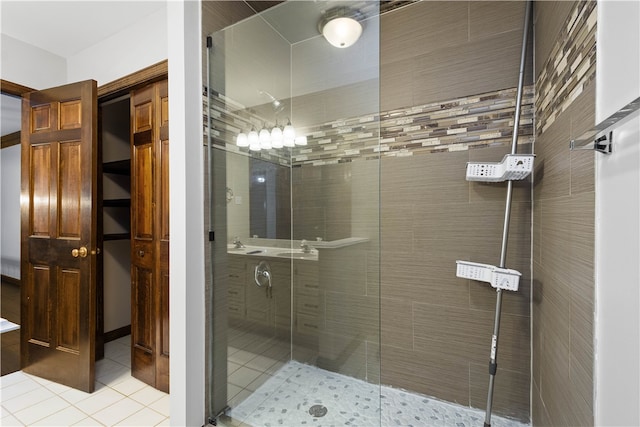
(343, 306)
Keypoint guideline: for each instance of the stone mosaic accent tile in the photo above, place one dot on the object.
(285, 400)
(453, 125)
(570, 68)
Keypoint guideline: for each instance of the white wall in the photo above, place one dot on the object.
(31, 66)
(10, 211)
(187, 214)
(617, 318)
(10, 189)
(618, 56)
(134, 48)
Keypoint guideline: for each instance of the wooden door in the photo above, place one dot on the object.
(58, 232)
(150, 235)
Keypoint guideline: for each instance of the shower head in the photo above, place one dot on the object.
(277, 105)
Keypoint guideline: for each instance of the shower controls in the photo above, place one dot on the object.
(499, 278)
(513, 167)
(262, 276)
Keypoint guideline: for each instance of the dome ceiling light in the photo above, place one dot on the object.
(341, 26)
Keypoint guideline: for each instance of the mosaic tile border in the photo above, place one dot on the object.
(453, 125)
(571, 66)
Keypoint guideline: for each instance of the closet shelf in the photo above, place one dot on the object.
(116, 236)
(119, 167)
(116, 203)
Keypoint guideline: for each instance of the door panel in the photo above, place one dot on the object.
(39, 319)
(150, 235)
(59, 166)
(142, 330)
(162, 212)
(69, 285)
(70, 190)
(39, 188)
(142, 190)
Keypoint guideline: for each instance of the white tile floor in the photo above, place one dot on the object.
(119, 399)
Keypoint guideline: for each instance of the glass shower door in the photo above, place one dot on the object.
(293, 290)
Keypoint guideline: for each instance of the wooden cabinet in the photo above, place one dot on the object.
(150, 235)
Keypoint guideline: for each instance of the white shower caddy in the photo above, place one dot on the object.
(499, 278)
(513, 167)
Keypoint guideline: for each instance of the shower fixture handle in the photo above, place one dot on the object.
(261, 273)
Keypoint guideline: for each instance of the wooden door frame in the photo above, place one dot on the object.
(124, 85)
(113, 89)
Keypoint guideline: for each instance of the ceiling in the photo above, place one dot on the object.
(65, 28)
(68, 27)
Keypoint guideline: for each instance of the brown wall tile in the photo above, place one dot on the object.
(413, 370)
(402, 277)
(412, 178)
(428, 48)
(396, 84)
(421, 28)
(551, 168)
(474, 329)
(582, 162)
(539, 415)
(396, 322)
(444, 73)
(511, 391)
(487, 18)
(549, 17)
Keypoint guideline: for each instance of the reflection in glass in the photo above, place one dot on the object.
(295, 136)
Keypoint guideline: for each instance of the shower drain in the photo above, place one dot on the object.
(318, 411)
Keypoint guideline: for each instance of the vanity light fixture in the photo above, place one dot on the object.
(266, 139)
(341, 26)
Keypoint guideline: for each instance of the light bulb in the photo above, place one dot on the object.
(289, 132)
(255, 147)
(253, 138)
(242, 140)
(265, 139)
(301, 140)
(289, 142)
(276, 134)
(276, 137)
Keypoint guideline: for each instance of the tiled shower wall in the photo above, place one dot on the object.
(563, 251)
(436, 328)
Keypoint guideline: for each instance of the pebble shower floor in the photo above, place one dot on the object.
(285, 399)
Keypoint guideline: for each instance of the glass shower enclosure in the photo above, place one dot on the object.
(293, 331)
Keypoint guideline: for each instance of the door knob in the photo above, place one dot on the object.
(141, 253)
(80, 252)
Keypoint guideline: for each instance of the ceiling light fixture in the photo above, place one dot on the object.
(341, 26)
